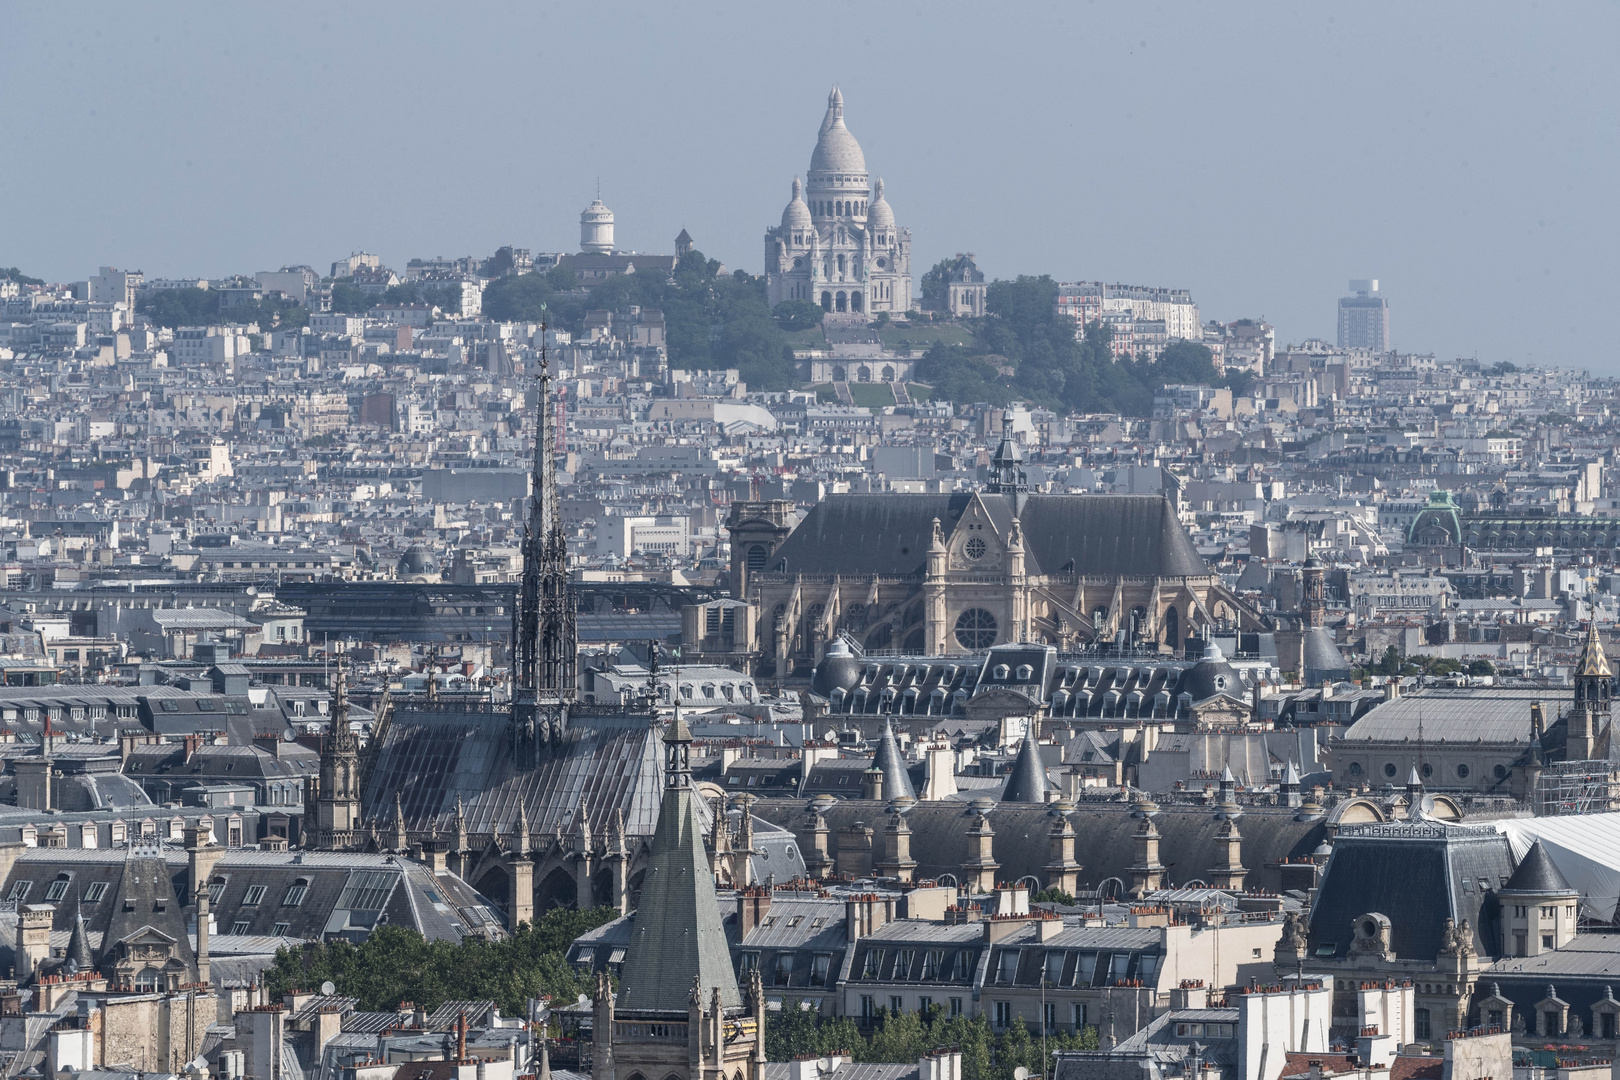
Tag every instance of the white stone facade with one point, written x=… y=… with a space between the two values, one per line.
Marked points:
x=838 y=244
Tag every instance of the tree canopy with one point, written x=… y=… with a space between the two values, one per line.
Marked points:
x=933 y=285
x=907 y=1036
x=11 y=273
x=200 y=307
x=710 y=320
x=396 y=964
x=1025 y=350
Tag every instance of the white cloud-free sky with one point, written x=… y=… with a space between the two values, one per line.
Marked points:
x=1259 y=154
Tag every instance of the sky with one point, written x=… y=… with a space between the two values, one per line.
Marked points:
x=1258 y=154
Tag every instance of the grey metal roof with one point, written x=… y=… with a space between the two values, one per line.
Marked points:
x=1132 y=535
x=1456 y=715
x=604 y=764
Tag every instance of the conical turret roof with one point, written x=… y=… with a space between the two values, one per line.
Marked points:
x=1536 y=873
x=887 y=760
x=1027 y=781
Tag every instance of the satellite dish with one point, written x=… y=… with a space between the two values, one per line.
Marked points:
x=1020 y=1073
x=290 y=735
x=583 y=1000
x=327 y=988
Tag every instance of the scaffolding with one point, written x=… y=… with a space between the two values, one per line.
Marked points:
x=1576 y=787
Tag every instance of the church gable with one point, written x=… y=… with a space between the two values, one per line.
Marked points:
x=975 y=544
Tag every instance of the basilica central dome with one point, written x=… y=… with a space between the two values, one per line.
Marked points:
x=836 y=150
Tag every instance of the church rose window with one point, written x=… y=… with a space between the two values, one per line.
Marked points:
x=976 y=628
x=975 y=549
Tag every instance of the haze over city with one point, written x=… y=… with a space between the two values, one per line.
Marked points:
x=1257 y=154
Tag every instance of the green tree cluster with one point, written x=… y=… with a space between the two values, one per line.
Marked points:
x=396 y=964
x=907 y=1036
x=1026 y=351
x=11 y=273
x=348 y=299
x=200 y=307
x=934 y=292
x=711 y=320
x=799 y=314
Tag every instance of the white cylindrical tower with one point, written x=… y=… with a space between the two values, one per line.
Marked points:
x=596 y=229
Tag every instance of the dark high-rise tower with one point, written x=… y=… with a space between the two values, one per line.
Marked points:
x=545 y=644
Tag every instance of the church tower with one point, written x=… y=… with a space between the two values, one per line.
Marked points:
x=1589 y=722
x=336 y=801
x=679 y=1011
x=545 y=642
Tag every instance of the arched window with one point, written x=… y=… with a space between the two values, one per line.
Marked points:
x=755 y=561
x=826 y=301
x=855 y=301
x=976 y=629
x=841 y=302
x=148 y=980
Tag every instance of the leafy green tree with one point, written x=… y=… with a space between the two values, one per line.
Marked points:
x=1053 y=895
x=395 y=964
x=794 y=315
x=180 y=307
x=562 y=279
x=1481 y=667
x=934 y=291
x=350 y=300
x=11 y=273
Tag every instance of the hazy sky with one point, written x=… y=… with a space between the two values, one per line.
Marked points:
x=1258 y=154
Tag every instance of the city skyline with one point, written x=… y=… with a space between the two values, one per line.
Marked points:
x=1258 y=159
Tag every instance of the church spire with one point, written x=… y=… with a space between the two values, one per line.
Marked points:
x=544 y=638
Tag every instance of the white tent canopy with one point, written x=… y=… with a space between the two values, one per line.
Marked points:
x=1584 y=847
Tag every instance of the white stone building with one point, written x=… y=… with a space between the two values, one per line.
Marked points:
x=838 y=244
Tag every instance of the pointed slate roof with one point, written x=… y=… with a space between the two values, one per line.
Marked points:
x=1027 y=781
x=1593 y=661
x=1536 y=873
x=78 y=950
x=887 y=759
x=144 y=902
x=676 y=934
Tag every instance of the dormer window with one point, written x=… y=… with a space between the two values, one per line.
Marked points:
x=1025 y=672
x=1001 y=672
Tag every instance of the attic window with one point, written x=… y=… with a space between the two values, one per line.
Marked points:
x=239 y=927
x=295 y=893
x=795 y=921
x=770 y=921
x=280 y=929
x=216 y=889
x=1001 y=671
x=95 y=892
x=58 y=888
x=19 y=890
x=254 y=894
x=1025 y=672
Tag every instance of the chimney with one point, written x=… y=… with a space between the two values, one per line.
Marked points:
x=33 y=938
x=328 y=1022
x=874 y=783
x=753 y=904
